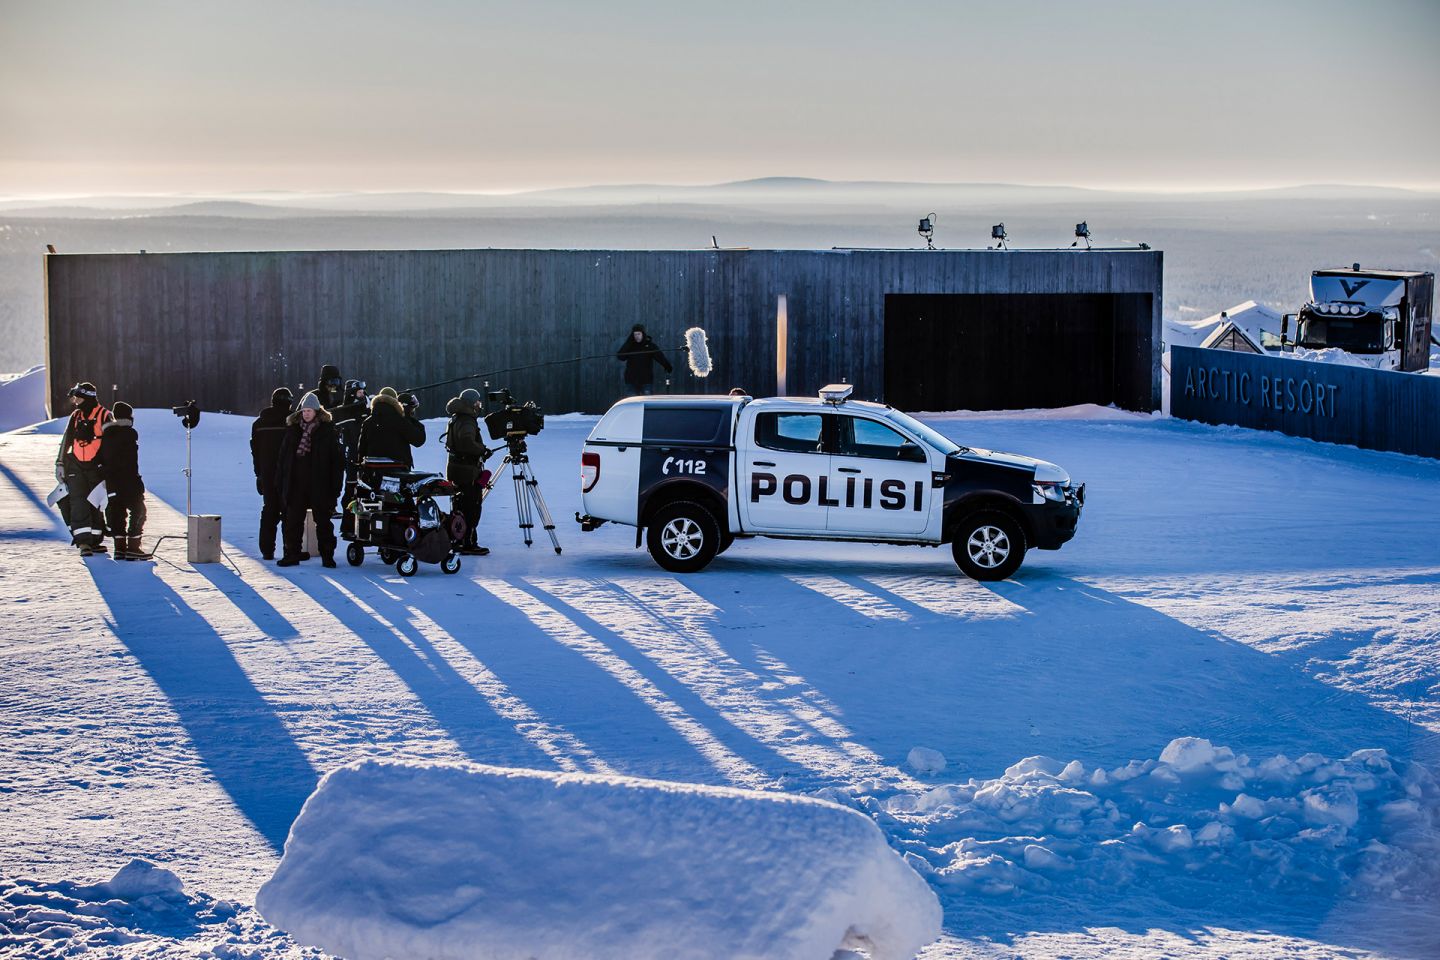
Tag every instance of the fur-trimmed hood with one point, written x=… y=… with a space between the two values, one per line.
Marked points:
x=112 y=424
x=456 y=406
x=321 y=416
x=385 y=400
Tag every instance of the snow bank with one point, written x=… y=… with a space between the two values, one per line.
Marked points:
x=1328 y=355
x=22 y=399
x=438 y=861
x=1079 y=411
x=1365 y=822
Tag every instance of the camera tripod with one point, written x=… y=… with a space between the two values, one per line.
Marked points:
x=528 y=499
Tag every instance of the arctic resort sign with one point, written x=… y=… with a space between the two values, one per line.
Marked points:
x=1374 y=409
x=1272 y=391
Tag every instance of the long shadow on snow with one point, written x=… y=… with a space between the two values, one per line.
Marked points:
x=57 y=525
x=1075 y=673
x=459 y=709
x=234 y=729
x=754 y=751
x=255 y=607
x=562 y=685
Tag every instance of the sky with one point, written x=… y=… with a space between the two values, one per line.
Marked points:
x=217 y=97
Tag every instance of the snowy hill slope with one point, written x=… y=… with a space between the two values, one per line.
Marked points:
x=22 y=399
x=1258 y=591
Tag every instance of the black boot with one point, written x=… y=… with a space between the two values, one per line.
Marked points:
x=328 y=561
x=289 y=560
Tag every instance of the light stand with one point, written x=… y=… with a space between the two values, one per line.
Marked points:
x=1082 y=232
x=188 y=471
x=997 y=232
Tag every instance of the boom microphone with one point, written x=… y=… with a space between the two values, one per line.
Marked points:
x=699 y=349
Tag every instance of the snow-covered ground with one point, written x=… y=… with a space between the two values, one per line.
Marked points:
x=1276 y=597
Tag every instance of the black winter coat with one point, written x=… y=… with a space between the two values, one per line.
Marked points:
x=267 y=435
x=388 y=433
x=466 y=445
x=640 y=359
x=348 y=419
x=119 y=459
x=313 y=480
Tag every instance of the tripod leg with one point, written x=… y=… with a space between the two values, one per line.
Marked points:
x=545 y=518
x=522 y=502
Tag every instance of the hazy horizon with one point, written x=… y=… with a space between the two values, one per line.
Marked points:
x=166 y=98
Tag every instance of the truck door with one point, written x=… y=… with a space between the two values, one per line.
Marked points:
x=880 y=480
x=782 y=472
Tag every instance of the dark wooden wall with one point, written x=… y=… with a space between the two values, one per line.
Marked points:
x=226 y=328
x=1374 y=409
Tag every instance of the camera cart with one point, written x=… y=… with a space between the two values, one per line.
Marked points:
x=393 y=509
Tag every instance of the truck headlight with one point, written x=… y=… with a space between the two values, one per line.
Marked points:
x=1051 y=490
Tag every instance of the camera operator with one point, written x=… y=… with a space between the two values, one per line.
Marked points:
x=388 y=433
x=76 y=466
x=640 y=354
x=267 y=434
x=348 y=417
x=466 y=465
x=309 y=474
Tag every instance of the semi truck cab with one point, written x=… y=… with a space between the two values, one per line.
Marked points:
x=693 y=474
x=1382 y=317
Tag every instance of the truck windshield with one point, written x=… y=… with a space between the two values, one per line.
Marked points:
x=932 y=437
x=1361 y=335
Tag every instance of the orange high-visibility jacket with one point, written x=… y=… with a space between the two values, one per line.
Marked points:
x=84 y=451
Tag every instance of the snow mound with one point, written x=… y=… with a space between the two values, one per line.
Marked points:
x=22 y=399
x=1366 y=823
x=141 y=911
x=925 y=761
x=1327 y=355
x=140 y=878
x=438 y=861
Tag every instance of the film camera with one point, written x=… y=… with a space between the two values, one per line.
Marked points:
x=513 y=421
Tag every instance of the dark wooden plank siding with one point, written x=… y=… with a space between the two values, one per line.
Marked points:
x=1373 y=409
x=226 y=328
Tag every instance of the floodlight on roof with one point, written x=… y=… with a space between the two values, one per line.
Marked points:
x=927 y=230
x=1082 y=232
x=997 y=232
x=836 y=393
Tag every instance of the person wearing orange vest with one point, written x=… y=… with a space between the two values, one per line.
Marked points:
x=77 y=467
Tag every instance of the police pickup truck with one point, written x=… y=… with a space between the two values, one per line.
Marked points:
x=695 y=473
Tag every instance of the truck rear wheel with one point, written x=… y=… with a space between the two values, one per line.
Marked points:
x=683 y=537
x=989 y=545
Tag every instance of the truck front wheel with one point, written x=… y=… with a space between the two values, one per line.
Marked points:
x=683 y=537
x=989 y=545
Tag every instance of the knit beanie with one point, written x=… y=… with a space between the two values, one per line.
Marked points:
x=310 y=401
x=122 y=410
x=471 y=396
x=389 y=392
x=282 y=397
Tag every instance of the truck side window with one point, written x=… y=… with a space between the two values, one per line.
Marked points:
x=789 y=432
x=867 y=438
